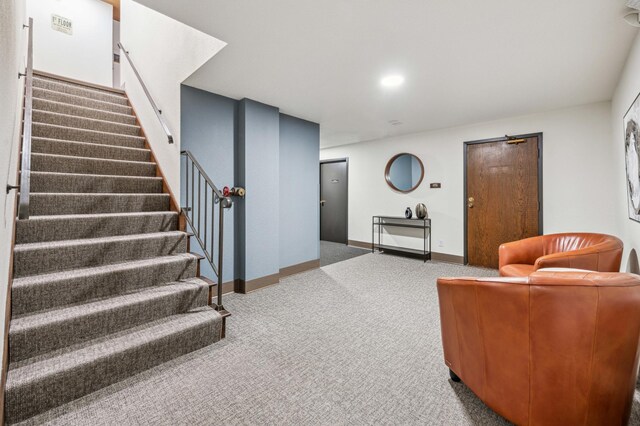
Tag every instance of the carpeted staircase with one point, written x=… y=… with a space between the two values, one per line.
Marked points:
x=104 y=286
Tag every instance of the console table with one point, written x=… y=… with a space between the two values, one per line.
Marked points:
x=401 y=222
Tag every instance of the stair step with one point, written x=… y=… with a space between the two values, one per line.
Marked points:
x=91 y=183
x=45 y=204
x=83 y=91
x=73 y=227
x=66 y=120
x=46 y=257
x=81 y=111
x=103 y=287
x=53 y=131
x=96 y=166
x=41 y=292
x=36 y=334
x=41 y=384
x=89 y=150
x=82 y=84
x=80 y=101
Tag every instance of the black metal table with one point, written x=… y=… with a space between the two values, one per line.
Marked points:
x=401 y=222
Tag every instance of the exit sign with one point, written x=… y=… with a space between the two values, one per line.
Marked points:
x=62 y=24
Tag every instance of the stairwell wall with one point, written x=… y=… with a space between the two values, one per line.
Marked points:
x=276 y=156
x=208 y=127
x=86 y=51
x=13 y=39
x=165 y=52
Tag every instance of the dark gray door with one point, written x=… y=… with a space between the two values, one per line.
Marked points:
x=333 y=201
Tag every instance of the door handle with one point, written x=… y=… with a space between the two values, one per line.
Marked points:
x=322 y=202
x=470 y=202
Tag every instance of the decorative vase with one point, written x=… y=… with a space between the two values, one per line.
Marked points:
x=421 y=211
x=407 y=213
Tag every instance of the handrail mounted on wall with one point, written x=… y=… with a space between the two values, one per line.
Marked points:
x=25 y=150
x=157 y=110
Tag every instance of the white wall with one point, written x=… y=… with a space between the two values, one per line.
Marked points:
x=578 y=174
x=165 y=52
x=84 y=55
x=13 y=46
x=116 y=51
x=627 y=90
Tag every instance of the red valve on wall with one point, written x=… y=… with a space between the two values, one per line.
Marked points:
x=236 y=191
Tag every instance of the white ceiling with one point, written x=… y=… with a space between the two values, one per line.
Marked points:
x=464 y=61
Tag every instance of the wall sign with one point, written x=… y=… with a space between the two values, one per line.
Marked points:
x=62 y=24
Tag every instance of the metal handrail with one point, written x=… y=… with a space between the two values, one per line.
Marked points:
x=188 y=153
x=25 y=167
x=157 y=110
x=195 y=220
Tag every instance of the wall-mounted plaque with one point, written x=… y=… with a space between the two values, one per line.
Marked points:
x=62 y=24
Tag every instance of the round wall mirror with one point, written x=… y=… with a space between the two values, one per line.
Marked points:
x=404 y=172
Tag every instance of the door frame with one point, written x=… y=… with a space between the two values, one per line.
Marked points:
x=464 y=198
x=332 y=160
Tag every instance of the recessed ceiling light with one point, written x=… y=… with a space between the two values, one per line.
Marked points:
x=392 y=80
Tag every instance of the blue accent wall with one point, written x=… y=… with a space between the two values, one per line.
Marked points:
x=258 y=149
x=208 y=130
x=299 y=191
x=276 y=158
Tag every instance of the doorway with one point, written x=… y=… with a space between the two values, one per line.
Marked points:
x=334 y=200
x=502 y=194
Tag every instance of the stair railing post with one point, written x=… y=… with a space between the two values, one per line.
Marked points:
x=221 y=206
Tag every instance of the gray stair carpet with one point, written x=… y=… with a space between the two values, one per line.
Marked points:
x=46 y=162
x=79 y=101
x=82 y=111
x=103 y=284
x=91 y=150
x=62 y=182
x=74 y=203
x=56 y=131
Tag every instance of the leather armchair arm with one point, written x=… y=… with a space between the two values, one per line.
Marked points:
x=605 y=256
x=521 y=252
x=560 y=260
x=485 y=337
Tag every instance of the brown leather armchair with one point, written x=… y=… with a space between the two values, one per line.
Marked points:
x=552 y=348
x=595 y=252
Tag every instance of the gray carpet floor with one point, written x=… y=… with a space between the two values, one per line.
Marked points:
x=356 y=342
x=335 y=252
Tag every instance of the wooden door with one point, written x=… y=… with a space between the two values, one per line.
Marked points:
x=502 y=201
